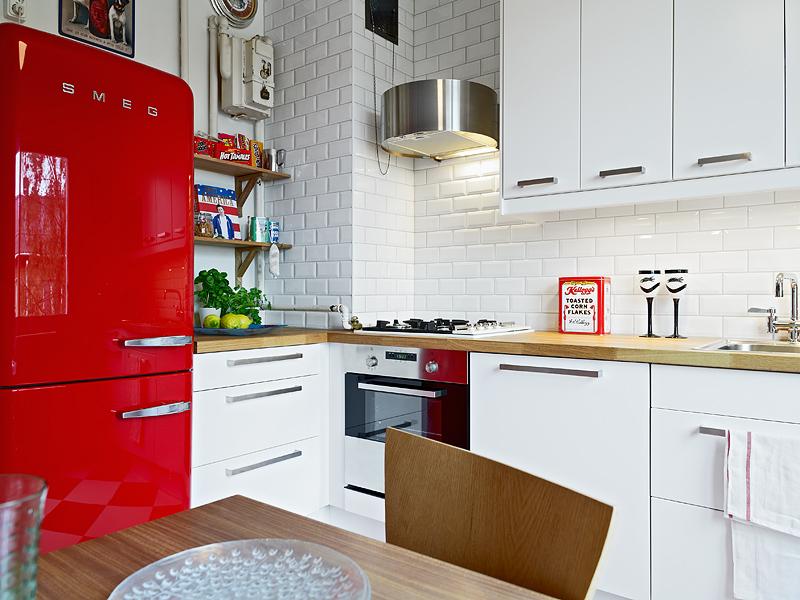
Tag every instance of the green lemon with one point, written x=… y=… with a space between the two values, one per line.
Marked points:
x=230 y=321
x=211 y=321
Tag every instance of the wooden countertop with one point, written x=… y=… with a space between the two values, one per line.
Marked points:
x=287 y=336
x=536 y=343
x=91 y=570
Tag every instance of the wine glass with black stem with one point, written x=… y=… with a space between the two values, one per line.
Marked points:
x=676 y=282
x=649 y=284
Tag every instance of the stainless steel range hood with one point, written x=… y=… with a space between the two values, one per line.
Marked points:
x=439 y=119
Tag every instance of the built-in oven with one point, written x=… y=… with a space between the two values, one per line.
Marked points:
x=423 y=392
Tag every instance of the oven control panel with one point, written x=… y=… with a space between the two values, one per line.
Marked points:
x=411 y=363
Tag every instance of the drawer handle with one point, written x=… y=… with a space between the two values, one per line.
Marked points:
x=540 y=181
x=553 y=371
x=289 y=390
x=264 y=359
x=712 y=431
x=623 y=171
x=708 y=160
x=263 y=463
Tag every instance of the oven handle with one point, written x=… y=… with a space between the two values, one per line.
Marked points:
x=403 y=425
x=372 y=387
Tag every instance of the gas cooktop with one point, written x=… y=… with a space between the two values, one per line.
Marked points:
x=447 y=327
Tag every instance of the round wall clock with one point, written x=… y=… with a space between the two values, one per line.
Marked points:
x=240 y=13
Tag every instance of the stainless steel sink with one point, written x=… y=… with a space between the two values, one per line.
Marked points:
x=753 y=346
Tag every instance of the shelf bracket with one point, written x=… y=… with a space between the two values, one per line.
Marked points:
x=244 y=186
x=244 y=258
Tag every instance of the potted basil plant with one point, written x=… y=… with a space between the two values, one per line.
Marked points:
x=214 y=294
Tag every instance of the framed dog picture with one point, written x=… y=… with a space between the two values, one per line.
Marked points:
x=108 y=24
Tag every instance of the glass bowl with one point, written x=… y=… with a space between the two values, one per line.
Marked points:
x=260 y=568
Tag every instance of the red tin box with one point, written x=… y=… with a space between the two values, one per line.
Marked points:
x=584 y=305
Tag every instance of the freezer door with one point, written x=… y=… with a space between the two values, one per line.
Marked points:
x=95 y=199
x=114 y=453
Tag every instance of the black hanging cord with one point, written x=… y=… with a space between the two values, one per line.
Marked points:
x=375 y=92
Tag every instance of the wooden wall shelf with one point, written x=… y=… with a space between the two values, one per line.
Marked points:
x=245 y=250
x=245 y=176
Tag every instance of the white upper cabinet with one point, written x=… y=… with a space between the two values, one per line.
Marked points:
x=729 y=87
x=626 y=92
x=610 y=102
x=541 y=82
x=793 y=83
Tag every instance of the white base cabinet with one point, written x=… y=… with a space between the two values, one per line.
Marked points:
x=582 y=424
x=691 y=553
x=257 y=427
x=691 y=537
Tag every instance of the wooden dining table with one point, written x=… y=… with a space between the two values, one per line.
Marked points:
x=93 y=569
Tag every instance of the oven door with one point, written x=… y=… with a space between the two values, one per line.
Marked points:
x=439 y=411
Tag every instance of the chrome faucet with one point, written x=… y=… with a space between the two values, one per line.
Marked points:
x=792 y=324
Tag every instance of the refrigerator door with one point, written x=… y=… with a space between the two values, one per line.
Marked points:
x=95 y=188
x=113 y=453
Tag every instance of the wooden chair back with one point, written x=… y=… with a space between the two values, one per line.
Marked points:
x=471 y=511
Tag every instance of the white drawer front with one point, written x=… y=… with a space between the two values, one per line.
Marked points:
x=687 y=466
x=237 y=420
x=222 y=369
x=289 y=477
x=752 y=394
x=691 y=553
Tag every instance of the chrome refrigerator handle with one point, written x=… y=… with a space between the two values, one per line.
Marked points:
x=161 y=342
x=157 y=411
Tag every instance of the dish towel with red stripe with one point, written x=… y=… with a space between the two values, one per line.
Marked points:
x=762 y=500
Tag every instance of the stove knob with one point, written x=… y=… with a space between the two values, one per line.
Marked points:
x=372 y=361
x=431 y=366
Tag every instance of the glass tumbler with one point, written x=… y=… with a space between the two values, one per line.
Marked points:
x=21 y=506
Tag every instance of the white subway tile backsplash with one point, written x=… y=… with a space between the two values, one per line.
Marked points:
x=559 y=230
x=635 y=224
x=748 y=239
x=678 y=221
x=700 y=241
x=724 y=218
x=787 y=237
x=774 y=215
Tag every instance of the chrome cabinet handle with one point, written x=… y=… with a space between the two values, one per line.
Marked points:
x=263 y=463
x=373 y=387
x=712 y=431
x=540 y=181
x=263 y=359
x=157 y=411
x=624 y=171
x=161 y=342
x=708 y=160
x=289 y=390
x=552 y=371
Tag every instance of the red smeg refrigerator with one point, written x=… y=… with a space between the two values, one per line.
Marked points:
x=96 y=302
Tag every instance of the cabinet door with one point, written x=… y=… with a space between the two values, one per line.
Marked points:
x=584 y=426
x=541 y=97
x=792 y=83
x=626 y=92
x=729 y=87
x=691 y=553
